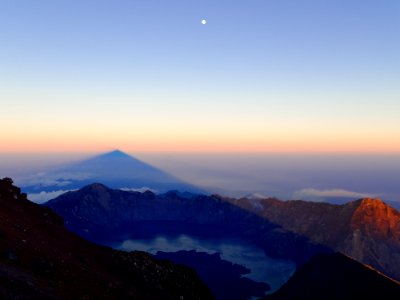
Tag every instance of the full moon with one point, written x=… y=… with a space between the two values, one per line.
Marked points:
x=204 y=22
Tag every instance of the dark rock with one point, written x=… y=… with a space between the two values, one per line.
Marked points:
x=337 y=277
x=45 y=261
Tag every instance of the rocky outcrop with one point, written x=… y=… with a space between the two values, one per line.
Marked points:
x=337 y=277
x=367 y=230
x=375 y=236
x=40 y=259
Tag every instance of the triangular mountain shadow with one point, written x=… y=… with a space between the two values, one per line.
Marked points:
x=116 y=169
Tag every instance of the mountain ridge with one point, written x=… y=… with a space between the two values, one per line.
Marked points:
x=362 y=229
x=367 y=230
x=96 y=216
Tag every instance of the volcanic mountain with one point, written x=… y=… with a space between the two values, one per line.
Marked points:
x=115 y=169
x=367 y=230
x=113 y=217
x=336 y=277
x=101 y=214
x=40 y=259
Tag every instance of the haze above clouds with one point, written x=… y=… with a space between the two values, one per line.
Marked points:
x=288 y=176
x=308 y=177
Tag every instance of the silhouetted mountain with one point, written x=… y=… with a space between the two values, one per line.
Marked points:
x=105 y=215
x=336 y=277
x=39 y=259
x=115 y=169
x=367 y=230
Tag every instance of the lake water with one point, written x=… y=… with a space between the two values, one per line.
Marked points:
x=275 y=272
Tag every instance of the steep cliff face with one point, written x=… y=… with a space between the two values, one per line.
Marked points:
x=39 y=259
x=336 y=277
x=368 y=230
x=376 y=219
x=375 y=236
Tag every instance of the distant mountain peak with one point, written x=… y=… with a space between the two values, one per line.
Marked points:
x=375 y=218
x=96 y=186
x=372 y=201
x=116 y=154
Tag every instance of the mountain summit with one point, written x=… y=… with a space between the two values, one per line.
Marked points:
x=115 y=169
x=116 y=154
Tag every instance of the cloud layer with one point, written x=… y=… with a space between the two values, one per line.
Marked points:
x=320 y=195
x=43 y=197
x=141 y=190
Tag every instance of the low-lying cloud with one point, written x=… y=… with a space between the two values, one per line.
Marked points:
x=320 y=195
x=141 y=190
x=54 y=179
x=43 y=197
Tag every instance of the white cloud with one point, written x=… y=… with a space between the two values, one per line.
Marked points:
x=43 y=197
x=256 y=196
x=141 y=190
x=54 y=179
x=319 y=195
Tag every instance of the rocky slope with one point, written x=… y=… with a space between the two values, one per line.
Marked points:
x=367 y=230
x=39 y=259
x=336 y=277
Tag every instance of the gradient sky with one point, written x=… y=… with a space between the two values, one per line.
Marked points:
x=146 y=75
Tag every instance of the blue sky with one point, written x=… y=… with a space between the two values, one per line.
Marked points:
x=148 y=76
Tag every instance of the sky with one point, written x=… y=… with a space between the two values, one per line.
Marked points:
x=148 y=76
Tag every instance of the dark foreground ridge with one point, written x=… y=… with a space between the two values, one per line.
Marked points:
x=337 y=277
x=40 y=259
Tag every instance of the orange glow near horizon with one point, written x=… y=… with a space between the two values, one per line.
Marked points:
x=195 y=136
x=193 y=144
